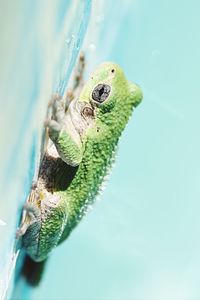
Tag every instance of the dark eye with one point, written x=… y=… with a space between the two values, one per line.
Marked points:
x=101 y=92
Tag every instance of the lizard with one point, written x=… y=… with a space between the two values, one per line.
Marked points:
x=83 y=131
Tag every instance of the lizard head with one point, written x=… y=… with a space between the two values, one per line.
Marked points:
x=108 y=97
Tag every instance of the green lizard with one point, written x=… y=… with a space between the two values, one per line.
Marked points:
x=83 y=135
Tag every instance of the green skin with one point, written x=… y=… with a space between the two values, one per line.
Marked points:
x=84 y=139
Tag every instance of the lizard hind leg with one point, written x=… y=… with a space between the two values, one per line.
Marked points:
x=31 y=214
x=44 y=231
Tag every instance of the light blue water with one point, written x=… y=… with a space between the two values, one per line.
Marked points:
x=141 y=241
x=40 y=43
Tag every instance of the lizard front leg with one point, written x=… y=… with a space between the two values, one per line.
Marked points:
x=63 y=133
x=79 y=71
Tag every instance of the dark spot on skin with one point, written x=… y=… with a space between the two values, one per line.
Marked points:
x=101 y=92
x=88 y=112
x=34 y=185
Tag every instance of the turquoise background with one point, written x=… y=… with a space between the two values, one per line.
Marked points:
x=141 y=240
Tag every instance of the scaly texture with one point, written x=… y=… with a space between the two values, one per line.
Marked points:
x=74 y=166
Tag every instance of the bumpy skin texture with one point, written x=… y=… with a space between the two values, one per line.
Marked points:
x=84 y=139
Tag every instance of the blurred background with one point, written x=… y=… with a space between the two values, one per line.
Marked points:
x=141 y=241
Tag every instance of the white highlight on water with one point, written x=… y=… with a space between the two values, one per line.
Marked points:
x=2 y=223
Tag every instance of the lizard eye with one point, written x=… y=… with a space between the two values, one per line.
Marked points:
x=101 y=92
